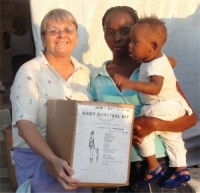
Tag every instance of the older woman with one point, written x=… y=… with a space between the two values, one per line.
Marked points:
x=53 y=74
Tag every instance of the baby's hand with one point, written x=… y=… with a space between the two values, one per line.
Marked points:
x=122 y=82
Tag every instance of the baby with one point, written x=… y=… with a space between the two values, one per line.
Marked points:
x=158 y=92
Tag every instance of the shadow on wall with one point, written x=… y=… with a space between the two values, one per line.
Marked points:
x=183 y=44
x=183 y=35
x=37 y=38
x=82 y=47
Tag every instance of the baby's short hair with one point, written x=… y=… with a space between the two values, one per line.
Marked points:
x=157 y=25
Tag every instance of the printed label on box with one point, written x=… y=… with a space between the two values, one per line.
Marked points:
x=102 y=144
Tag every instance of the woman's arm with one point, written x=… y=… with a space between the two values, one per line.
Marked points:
x=26 y=101
x=150 y=124
x=146 y=125
x=29 y=133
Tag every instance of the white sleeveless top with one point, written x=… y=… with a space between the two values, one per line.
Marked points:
x=21 y=44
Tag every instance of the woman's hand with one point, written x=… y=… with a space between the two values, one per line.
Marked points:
x=144 y=126
x=135 y=139
x=63 y=174
x=63 y=171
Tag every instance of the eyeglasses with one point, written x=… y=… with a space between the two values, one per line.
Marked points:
x=55 y=31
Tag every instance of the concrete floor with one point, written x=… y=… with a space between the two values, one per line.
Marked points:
x=5 y=185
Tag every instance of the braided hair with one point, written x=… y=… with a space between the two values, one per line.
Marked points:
x=124 y=9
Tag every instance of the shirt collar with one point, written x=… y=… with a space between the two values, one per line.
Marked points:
x=102 y=70
x=43 y=61
x=76 y=64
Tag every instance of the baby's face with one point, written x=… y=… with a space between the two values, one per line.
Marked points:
x=140 y=42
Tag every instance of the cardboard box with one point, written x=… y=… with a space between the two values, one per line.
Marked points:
x=94 y=137
x=8 y=145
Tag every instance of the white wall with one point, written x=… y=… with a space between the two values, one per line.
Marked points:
x=183 y=23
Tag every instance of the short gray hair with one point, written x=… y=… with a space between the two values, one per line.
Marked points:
x=59 y=15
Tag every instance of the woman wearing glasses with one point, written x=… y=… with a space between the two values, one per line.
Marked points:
x=53 y=74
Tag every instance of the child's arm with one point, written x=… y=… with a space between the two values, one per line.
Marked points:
x=153 y=87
